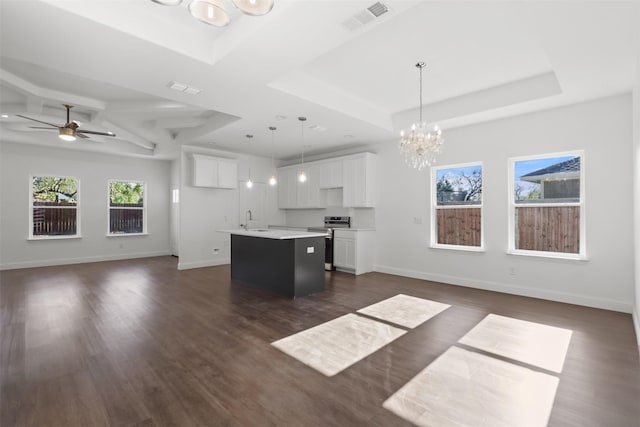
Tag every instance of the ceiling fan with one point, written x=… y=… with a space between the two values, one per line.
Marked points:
x=68 y=131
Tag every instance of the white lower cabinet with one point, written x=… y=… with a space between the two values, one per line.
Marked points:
x=353 y=250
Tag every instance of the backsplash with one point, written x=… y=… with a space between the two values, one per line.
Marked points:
x=360 y=217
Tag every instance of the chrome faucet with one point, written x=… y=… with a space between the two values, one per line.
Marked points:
x=247 y=218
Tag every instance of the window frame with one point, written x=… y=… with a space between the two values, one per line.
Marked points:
x=143 y=208
x=434 y=209
x=78 y=234
x=511 y=249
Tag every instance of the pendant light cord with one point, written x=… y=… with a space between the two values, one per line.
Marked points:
x=420 y=66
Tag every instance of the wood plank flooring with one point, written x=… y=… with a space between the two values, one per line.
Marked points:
x=139 y=343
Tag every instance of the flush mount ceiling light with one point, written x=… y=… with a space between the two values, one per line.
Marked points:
x=423 y=143
x=273 y=181
x=302 y=177
x=168 y=2
x=212 y=12
x=254 y=7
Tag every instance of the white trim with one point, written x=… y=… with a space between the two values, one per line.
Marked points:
x=459 y=248
x=126 y=234
x=57 y=237
x=512 y=205
x=602 y=303
x=434 y=208
x=636 y=325
x=68 y=261
x=201 y=264
x=545 y=254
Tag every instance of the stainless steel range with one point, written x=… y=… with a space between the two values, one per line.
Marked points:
x=330 y=223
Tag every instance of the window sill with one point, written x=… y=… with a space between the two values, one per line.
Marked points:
x=37 y=238
x=459 y=248
x=127 y=234
x=549 y=255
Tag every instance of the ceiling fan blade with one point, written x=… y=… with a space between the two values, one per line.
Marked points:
x=40 y=127
x=79 y=135
x=39 y=121
x=93 y=132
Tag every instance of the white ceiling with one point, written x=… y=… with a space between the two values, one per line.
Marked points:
x=113 y=59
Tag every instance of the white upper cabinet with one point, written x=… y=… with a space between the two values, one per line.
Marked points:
x=359 y=175
x=355 y=174
x=309 y=191
x=331 y=174
x=287 y=188
x=214 y=172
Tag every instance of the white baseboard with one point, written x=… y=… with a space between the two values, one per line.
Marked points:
x=636 y=323
x=603 y=303
x=83 y=260
x=200 y=264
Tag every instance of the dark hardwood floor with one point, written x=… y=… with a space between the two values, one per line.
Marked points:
x=140 y=343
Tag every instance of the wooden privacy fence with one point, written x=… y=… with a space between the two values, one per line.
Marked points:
x=126 y=220
x=548 y=228
x=54 y=219
x=61 y=219
x=459 y=226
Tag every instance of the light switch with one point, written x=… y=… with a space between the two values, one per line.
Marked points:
x=311 y=249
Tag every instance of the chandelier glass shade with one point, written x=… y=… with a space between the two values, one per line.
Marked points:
x=422 y=144
x=212 y=12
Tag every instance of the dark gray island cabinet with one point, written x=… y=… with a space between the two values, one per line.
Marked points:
x=290 y=263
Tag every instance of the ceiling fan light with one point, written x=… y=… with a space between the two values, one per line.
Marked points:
x=254 y=7
x=168 y=2
x=210 y=12
x=67 y=134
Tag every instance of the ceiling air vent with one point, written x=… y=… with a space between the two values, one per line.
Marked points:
x=378 y=9
x=366 y=16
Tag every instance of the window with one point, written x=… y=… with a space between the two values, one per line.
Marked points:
x=547 y=205
x=54 y=207
x=457 y=207
x=127 y=213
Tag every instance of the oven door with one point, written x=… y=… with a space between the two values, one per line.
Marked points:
x=328 y=247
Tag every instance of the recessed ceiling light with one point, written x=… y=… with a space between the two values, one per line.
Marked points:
x=4 y=116
x=249 y=136
x=318 y=128
x=280 y=117
x=192 y=90
x=348 y=136
x=182 y=87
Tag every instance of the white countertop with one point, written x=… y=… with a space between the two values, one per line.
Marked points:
x=273 y=234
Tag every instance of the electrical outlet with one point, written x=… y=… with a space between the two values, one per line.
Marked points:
x=121 y=245
x=512 y=271
x=417 y=220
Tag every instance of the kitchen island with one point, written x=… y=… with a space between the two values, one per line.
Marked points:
x=283 y=261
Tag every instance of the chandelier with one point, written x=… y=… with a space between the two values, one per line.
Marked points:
x=422 y=143
x=212 y=12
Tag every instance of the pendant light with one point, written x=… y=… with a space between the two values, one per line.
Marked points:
x=302 y=176
x=421 y=144
x=249 y=182
x=272 y=181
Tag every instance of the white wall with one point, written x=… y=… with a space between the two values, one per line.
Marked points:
x=602 y=128
x=19 y=161
x=636 y=197
x=204 y=211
